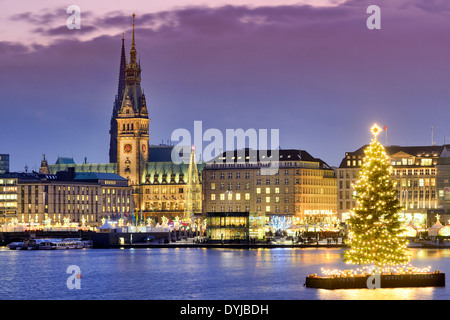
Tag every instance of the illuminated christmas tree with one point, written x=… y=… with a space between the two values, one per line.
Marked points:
x=375 y=232
x=193 y=202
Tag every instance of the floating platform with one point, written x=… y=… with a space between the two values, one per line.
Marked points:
x=386 y=281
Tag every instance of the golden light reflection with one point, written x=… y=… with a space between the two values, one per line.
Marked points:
x=378 y=294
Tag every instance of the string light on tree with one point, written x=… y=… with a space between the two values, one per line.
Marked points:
x=375 y=235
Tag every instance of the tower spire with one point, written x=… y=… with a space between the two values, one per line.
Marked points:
x=117 y=104
x=133 y=47
x=123 y=64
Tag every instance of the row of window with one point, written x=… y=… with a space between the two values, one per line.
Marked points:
x=422 y=204
x=268 y=199
x=246 y=175
x=353 y=174
x=163 y=190
x=403 y=194
x=8 y=181
x=411 y=162
x=396 y=162
x=423 y=182
x=414 y=172
x=246 y=208
x=164 y=206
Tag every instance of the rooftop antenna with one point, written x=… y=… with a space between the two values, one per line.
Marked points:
x=432 y=140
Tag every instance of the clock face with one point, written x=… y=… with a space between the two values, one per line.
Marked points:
x=127 y=148
x=144 y=148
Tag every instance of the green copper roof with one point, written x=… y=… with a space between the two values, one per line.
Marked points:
x=86 y=167
x=64 y=160
x=97 y=176
x=153 y=170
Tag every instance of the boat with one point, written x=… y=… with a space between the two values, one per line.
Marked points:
x=15 y=245
x=35 y=244
x=47 y=245
x=51 y=244
x=74 y=243
x=60 y=245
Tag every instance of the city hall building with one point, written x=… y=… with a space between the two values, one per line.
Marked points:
x=422 y=175
x=160 y=186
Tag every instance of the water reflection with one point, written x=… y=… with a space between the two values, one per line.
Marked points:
x=378 y=294
x=190 y=273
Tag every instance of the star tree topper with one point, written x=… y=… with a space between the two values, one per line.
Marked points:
x=375 y=130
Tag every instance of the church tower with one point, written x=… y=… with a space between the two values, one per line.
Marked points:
x=132 y=123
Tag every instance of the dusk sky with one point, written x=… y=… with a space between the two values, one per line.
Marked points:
x=311 y=69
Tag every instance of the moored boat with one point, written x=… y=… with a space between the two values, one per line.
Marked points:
x=47 y=245
x=15 y=245
x=51 y=244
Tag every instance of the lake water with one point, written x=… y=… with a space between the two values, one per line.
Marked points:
x=193 y=274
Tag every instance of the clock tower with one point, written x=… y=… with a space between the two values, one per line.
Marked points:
x=132 y=124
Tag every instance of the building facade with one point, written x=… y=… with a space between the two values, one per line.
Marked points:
x=65 y=197
x=422 y=177
x=8 y=198
x=303 y=187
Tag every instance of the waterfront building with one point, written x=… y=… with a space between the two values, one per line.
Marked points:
x=230 y=226
x=8 y=197
x=65 y=197
x=422 y=174
x=302 y=187
x=160 y=186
